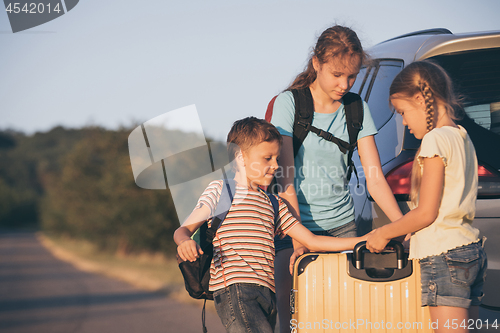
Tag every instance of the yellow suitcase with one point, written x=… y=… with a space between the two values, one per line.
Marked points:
x=357 y=292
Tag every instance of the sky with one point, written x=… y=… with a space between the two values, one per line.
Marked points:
x=120 y=63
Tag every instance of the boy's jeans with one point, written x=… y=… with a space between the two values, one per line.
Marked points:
x=246 y=307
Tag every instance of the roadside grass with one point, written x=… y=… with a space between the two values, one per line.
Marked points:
x=152 y=272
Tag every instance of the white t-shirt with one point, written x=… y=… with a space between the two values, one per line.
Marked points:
x=453 y=226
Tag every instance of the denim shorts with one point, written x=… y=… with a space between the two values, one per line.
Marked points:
x=454 y=278
x=246 y=308
x=344 y=231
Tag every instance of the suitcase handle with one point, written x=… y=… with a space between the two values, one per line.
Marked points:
x=361 y=246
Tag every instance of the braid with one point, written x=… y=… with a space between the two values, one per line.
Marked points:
x=436 y=87
x=429 y=103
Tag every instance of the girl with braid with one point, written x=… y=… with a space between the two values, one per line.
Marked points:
x=444 y=190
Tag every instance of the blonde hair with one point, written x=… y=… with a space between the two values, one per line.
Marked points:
x=334 y=42
x=435 y=85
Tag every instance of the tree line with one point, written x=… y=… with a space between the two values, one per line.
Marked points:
x=79 y=183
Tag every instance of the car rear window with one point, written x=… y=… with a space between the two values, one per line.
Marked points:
x=486 y=115
x=374 y=87
x=476 y=76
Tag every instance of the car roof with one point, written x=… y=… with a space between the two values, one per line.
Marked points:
x=429 y=43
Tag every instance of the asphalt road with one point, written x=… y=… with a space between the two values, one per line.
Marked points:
x=40 y=294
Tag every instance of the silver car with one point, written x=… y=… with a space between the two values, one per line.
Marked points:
x=473 y=62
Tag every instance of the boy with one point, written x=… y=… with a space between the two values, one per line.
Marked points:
x=242 y=270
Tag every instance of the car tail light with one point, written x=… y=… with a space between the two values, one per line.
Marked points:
x=488 y=182
x=399 y=179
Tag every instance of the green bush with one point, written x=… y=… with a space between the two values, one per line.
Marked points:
x=79 y=183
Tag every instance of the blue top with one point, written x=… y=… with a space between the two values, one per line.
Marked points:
x=320 y=167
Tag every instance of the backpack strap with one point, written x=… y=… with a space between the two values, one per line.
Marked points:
x=223 y=206
x=343 y=146
x=269 y=111
x=354 y=115
x=353 y=106
x=304 y=111
x=275 y=204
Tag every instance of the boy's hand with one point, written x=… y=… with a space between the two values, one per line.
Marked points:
x=297 y=253
x=189 y=250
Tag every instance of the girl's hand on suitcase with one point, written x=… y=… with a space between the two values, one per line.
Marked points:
x=189 y=250
x=376 y=241
x=405 y=240
x=297 y=253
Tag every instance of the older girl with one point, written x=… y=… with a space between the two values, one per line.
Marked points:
x=314 y=183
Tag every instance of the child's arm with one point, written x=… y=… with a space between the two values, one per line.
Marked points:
x=375 y=181
x=317 y=243
x=187 y=248
x=287 y=188
x=431 y=191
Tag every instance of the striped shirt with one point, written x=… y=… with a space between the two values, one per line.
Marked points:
x=244 y=242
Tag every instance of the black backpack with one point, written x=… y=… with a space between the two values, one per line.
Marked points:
x=304 y=111
x=197 y=273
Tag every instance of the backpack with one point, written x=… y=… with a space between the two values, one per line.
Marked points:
x=304 y=111
x=196 y=274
